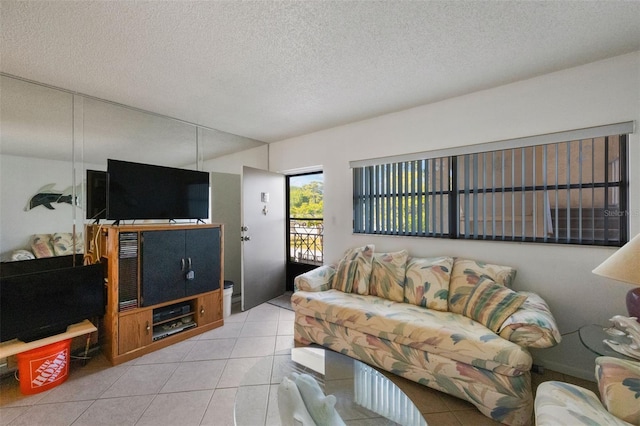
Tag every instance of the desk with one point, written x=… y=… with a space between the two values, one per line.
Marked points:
x=15 y=346
x=592 y=336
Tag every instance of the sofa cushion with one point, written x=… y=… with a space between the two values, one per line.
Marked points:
x=354 y=270
x=450 y=335
x=22 y=255
x=619 y=386
x=467 y=273
x=41 y=246
x=427 y=282
x=63 y=243
x=532 y=325
x=491 y=304
x=387 y=275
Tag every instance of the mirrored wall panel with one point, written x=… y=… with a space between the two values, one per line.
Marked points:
x=50 y=137
x=36 y=180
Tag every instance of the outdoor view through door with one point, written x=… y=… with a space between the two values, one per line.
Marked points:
x=305 y=210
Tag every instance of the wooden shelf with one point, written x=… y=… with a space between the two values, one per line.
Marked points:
x=16 y=346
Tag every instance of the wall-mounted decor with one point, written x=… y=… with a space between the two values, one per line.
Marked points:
x=47 y=196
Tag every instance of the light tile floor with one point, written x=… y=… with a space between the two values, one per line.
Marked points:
x=195 y=382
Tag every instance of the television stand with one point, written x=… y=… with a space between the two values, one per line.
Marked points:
x=164 y=284
x=15 y=346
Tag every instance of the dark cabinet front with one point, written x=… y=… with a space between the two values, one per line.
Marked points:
x=202 y=251
x=180 y=263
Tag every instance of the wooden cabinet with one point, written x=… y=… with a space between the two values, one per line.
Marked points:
x=134 y=331
x=164 y=284
x=209 y=308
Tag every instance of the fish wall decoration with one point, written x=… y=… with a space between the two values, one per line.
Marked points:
x=47 y=196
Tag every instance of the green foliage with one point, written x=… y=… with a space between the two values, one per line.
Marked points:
x=306 y=201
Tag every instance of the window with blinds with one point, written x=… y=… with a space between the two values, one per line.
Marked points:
x=408 y=198
x=570 y=192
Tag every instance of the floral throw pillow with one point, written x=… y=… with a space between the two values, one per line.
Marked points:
x=619 y=386
x=491 y=304
x=41 y=246
x=22 y=255
x=467 y=273
x=388 y=274
x=63 y=243
x=354 y=270
x=427 y=282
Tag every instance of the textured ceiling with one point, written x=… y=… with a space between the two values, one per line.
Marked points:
x=272 y=70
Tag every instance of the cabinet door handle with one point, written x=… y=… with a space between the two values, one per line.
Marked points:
x=201 y=311
x=182 y=264
x=189 y=262
x=148 y=327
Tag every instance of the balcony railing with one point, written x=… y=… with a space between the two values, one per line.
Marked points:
x=306 y=236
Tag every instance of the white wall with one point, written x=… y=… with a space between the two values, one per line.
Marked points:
x=254 y=157
x=600 y=93
x=21 y=178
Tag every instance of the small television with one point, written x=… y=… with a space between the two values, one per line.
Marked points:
x=96 y=195
x=145 y=191
x=41 y=304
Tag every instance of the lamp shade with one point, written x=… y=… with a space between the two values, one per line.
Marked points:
x=624 y=264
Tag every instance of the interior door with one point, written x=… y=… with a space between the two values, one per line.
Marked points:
x=263 y=236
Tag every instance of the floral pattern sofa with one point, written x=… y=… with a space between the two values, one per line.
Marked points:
x=451 y=324
x=559 y=403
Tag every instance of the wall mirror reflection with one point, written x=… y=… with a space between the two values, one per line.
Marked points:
x=50 y=137
x=36 y=137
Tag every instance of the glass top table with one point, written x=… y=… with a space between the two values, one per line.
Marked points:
x=363 y=394
x=592 y=337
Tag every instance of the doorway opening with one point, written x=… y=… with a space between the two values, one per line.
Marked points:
x=305 y=224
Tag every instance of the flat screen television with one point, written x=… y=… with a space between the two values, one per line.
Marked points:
x=96 y=195
x=145 y=191
x=41 y=304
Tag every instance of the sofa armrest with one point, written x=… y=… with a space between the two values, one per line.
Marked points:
x=619 y=386
x=318 y=279
x=532 y=325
